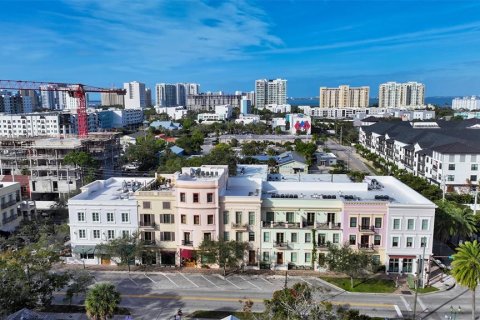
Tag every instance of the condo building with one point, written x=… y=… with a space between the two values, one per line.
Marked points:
x=395 y=95
x=344 y=97
x=135 y=96
x=270 y=92
x=282 y=221
x=466 y=103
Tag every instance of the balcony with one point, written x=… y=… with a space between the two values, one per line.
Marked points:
x=8 y=204
x=323 y=246
x=240 y=226
x=148 y=242
x=366 y=229
x=328 y=225
x=366 y=247
x=280 y=225
x=187 y=243
x=9 y=219
x=148 y=224
x=281 y=245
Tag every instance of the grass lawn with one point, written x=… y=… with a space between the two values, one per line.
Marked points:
x=426 y=290
x=215 y=314
x=363 y=285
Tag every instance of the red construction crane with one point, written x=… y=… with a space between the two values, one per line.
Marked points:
x=74 y=90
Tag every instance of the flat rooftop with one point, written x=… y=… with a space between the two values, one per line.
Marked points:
x=120 y=188
x=203 y=173
x=374 y=188
x=309 y=177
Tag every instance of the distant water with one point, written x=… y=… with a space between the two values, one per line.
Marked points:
x=313 y=101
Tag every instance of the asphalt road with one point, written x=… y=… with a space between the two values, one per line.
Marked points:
x=349 y=155
x=159 y=295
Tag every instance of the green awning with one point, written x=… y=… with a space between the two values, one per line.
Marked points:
x=86 y=249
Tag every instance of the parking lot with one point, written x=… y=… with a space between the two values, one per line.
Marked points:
x=159 y=281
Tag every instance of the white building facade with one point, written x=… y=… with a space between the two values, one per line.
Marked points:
x=466 y=103
x=135 y=97
x=270 y=92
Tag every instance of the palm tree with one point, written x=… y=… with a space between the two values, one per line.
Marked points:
x=453 y=220
x=101 y=301
x=466 y=267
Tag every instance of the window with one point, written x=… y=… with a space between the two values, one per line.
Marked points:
x=95 y=217
x=167 y=236
x=410 y=224
x=110 y=217
x=210 y=219
x=251 y=218
x=239 y=236
x=266 y=237
x=396 y=224
x=146 y=205
x=195 y=198
x=87 y=256
x=251 y=236
x=207 y=236
x=125 y=217
x=352 y=239
x=183 y=219
x=226 y=217
x=209 y=197
x=423 y=242
x=182 y=196
x=450 y=177
x=393 y=265
x=166 y=205
x=196 y=219
x=293 y=257
x=395 y=242
x=266 y=256
x=96 y=234
x=82 y=234
x=336 y=238
x=474 y=167
x=377 y=239
x=238 y=217
x=293 y=237
x=473 y=177
x=110 y=234
x=424 y=224
x=451 y=166
x=378 y=223
x=125 y=234
x=409 y=243
x=81 y=216
x=407 y=265
x=290 y=217
x=308 y=257
x=167 y=218
x=226 y=236
x=353 y=222
x=308 y=237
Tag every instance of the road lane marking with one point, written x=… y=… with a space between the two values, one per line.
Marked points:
x=224 y=278
x=406 y=303
x=421 y=304
x=209 y=280
x=163 y=274
x=188 y=279
x=267 y=281
x=150 y=278
x=250 y=283
x=399 y=312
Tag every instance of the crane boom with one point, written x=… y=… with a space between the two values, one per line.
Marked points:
x=76 y=90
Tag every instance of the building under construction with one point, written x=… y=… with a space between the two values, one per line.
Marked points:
x=42 y=159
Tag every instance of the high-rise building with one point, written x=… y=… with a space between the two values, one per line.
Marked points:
x=466 y=103
x=14 y=103
x=135 y=95
x=33 y=97
x=148 y=97
x=51 y=99
x=166 y=95
x=181 y=93
x=270 y=92
x=394 y=94
x=344 y=97
x=111 y=99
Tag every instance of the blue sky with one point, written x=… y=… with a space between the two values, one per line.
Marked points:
x=226 y=45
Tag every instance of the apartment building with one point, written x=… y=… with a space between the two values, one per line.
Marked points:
x=282 y=221
x=135 y=97
x=10 y=200
x=35 y=124
x=14 y=103
x=270 y=92
x=445 y=153
x=395 y=95
x=344 y=97
x=111 y=99
x=466 y=103
x=208 y=101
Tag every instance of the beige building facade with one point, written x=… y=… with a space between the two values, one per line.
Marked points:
x=344 y=97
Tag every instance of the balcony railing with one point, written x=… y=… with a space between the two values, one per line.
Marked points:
x=280 y=224
x=8 y=204
x=187 y=243
x=147 y=224
x=149 y=242
x=9 y=219
x=240 y=226
x=281 y=245
x=366 y=246
x=328 y=225
x=366 y=228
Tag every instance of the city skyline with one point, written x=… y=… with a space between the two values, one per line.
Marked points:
x=228 y=45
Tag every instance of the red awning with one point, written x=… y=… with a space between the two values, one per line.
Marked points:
x=186 y=254
x=402 y=257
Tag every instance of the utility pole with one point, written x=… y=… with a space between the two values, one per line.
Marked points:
x=419 y=274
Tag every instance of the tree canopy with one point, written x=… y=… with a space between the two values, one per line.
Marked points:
x=101 y=301
x=227 y=254
x=145 y=152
